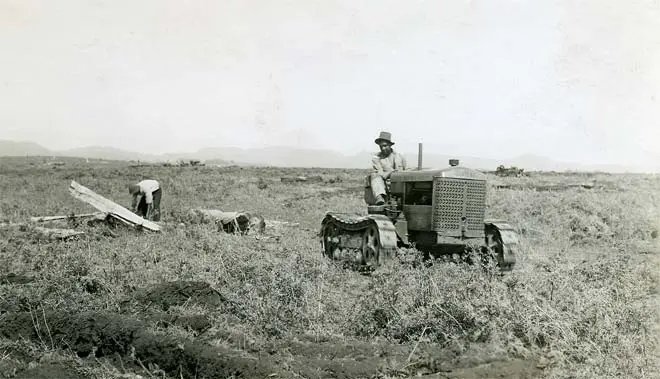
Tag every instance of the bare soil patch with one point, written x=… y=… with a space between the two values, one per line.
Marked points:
x=516 y=368
x=105 y=335
x=166 y=295
x=198 y=323
x=96 y=335
x=334 y=359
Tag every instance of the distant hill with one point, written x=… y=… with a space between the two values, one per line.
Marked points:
x=103 y=152
x=13 y=148
x=21 y=148
x=297 y=157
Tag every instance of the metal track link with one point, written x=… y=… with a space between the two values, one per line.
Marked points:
x=346 y=222
x=510 y=244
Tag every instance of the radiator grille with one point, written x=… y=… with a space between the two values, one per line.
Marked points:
x=455 y=198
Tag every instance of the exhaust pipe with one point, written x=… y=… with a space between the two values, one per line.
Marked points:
x=419 y=157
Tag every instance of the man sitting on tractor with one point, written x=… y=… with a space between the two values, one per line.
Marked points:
x=384 y=163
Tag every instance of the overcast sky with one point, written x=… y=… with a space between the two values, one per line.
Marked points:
x=570 y=80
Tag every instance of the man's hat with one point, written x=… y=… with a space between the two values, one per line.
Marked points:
x=384 y=136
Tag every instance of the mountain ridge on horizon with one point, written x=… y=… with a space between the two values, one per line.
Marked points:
x=294 y=157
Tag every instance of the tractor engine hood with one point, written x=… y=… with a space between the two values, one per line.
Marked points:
x=429 y=175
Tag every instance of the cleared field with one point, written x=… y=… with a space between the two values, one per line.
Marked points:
x=193 y=302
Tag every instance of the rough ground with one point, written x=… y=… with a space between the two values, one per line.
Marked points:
x=128 y=342
x=193 y=302
x=124 y=341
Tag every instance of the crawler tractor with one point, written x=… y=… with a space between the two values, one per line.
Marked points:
x=439 y=212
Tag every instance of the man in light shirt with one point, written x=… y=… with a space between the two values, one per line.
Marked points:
x=146 y=199
x=384 y=163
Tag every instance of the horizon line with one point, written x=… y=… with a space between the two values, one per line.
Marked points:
x=574 y=166
x=355 y=152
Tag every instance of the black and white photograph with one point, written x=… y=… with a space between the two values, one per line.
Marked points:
x=338 y=189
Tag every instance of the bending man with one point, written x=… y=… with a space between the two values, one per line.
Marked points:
x=146 y=199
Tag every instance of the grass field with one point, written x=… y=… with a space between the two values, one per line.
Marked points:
x=193 y=302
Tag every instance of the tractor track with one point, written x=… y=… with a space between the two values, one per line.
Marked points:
x=379 y=239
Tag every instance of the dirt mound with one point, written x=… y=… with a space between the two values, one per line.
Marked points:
x=166 y=295
x=98 y=335
x=196 y=323
x=110 y=335
x=352 y=359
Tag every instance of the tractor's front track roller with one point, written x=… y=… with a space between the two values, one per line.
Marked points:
x=502 y=243
x=369 y=240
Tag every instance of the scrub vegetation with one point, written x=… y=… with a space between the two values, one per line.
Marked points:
x=195 y=302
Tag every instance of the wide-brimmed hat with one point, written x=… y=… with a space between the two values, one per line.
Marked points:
x=384 y=136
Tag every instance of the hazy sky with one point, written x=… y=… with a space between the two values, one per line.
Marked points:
x=571 y=80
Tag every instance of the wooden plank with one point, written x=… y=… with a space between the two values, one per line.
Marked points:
x=55 y=218
x=115 y=210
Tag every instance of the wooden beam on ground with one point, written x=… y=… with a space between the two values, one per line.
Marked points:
x=113 y=209
x=55 y=218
